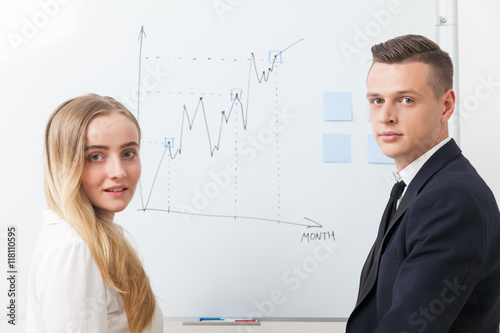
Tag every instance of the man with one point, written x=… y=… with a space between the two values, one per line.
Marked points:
x=435 y=266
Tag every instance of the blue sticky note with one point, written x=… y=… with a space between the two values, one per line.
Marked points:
x=374 y=154
x=336 y=148
x=337 y=106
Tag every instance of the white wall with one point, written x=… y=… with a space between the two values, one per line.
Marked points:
x=480 y=103
x=480 y=119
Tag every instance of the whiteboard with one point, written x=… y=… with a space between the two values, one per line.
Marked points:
x=239 y=211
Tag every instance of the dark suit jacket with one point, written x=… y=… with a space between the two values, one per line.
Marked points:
x=439 y=263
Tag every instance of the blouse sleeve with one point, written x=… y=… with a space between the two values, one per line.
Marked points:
x=71 y=293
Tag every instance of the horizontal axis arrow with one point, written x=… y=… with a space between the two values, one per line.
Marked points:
x=312 y=224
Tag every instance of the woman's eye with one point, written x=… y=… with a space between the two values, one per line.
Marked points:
x=95 y=157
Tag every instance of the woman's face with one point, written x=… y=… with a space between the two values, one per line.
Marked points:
x=112 y=164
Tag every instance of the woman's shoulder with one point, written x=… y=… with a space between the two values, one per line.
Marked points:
x=58 y=238
x=60 y=252
x=58 y=229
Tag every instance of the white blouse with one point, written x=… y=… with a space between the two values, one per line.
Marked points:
x=66 y=291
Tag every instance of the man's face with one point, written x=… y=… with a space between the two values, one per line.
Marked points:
x=407 y=119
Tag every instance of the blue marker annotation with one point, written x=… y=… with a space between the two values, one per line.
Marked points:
x=230 y=320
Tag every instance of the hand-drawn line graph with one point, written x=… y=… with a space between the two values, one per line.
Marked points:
x=238 y=105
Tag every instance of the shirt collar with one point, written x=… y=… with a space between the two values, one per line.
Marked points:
x=408 y=173
x=50 y=217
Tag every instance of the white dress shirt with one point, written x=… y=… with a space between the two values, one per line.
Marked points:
x=66 y=291
x=408 y=173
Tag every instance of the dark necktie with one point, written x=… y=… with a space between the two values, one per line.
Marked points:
x=389 y=211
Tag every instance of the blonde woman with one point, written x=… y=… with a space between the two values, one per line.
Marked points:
x=85 y=276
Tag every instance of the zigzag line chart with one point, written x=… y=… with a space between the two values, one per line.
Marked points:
x=212 y=134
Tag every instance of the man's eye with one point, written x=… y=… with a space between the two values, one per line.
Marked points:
x=407 y=100
x=377 y=101
x=129 y=154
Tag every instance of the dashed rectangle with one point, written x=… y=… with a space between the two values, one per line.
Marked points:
x=236 y=93
x=275 y=57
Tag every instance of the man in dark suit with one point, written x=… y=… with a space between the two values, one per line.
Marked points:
x=435 y=265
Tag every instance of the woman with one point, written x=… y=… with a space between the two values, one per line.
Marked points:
x=85 y=276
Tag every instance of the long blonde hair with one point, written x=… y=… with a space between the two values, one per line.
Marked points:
x=120 y=266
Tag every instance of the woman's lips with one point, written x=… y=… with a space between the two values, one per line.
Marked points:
x=116 y=191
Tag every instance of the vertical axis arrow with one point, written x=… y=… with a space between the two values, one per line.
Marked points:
x=142 y=34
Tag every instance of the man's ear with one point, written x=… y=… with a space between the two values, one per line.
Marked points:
x=448 y=103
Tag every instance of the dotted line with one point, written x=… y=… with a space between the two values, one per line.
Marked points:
x=277 y=146
x=153 y=142
x=236 y=160
x=184 y=93
x=168 y=183
x=197 y=59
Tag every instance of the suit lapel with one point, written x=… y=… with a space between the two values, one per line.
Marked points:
x=438 y=160
x=373 y=267
x=403 y=206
